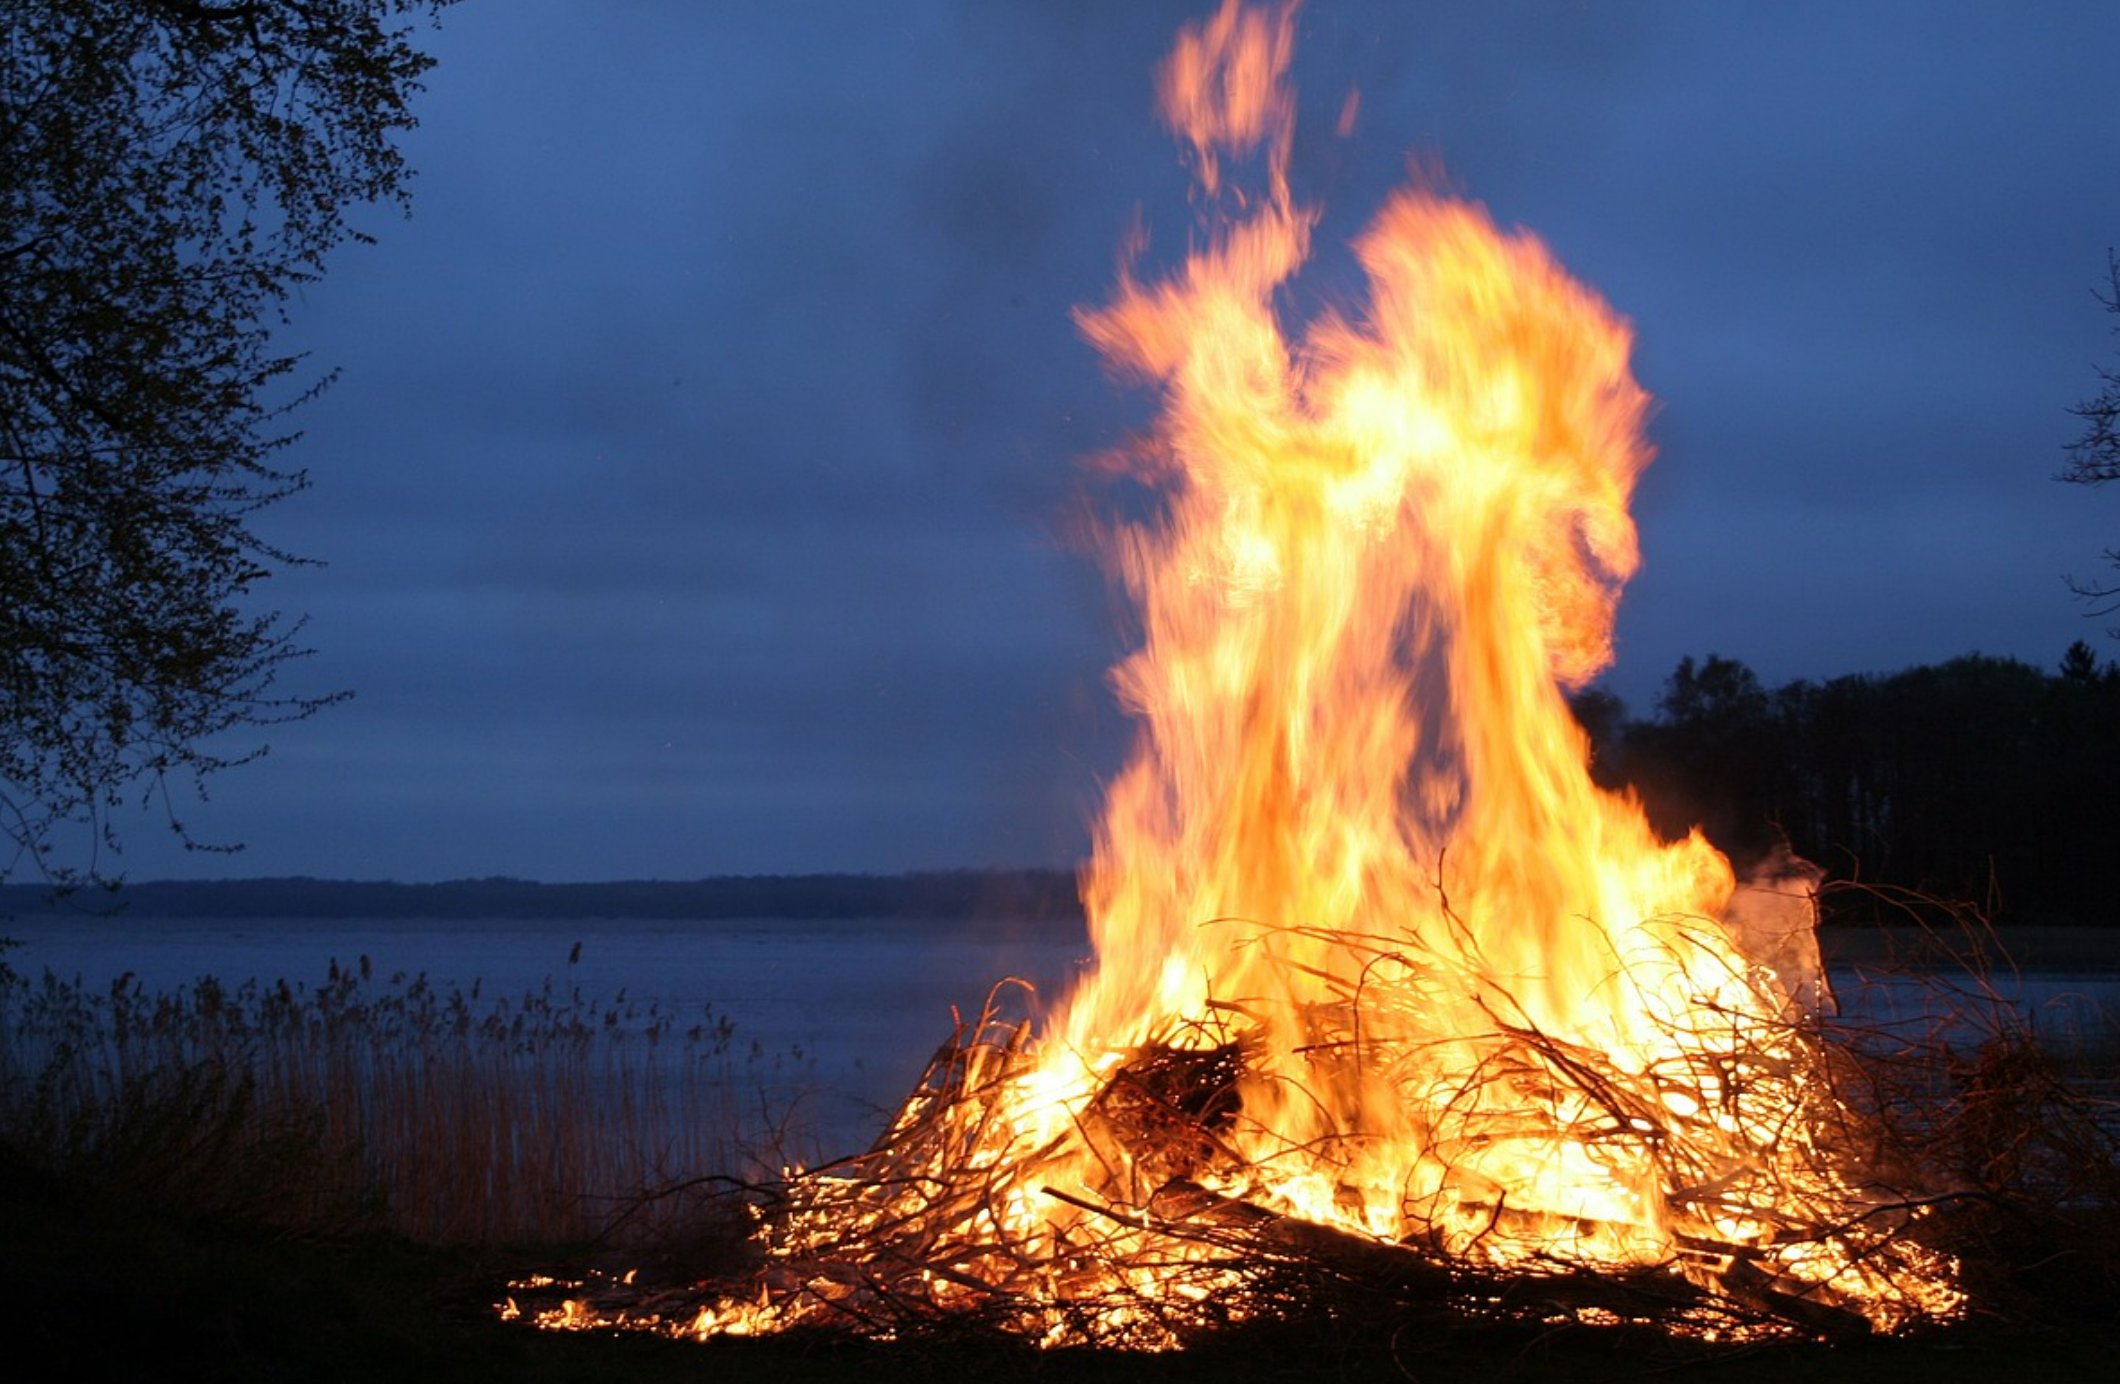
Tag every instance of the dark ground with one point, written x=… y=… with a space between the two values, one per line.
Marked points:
x=106 y=1294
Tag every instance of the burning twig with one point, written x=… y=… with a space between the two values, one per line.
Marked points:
x=929 y=1229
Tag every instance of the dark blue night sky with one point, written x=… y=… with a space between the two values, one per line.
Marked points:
x=696 y=495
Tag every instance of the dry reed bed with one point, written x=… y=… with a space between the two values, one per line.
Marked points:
x=448 y=1116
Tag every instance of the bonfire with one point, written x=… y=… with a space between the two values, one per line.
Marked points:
x=1388 y=998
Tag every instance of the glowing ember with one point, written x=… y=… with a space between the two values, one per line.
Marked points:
x=1385 y=985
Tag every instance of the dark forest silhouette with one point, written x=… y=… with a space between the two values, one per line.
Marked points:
x=1980 y=780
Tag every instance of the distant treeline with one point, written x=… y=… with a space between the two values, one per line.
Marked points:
x=1030 y=895
x=1981 y=780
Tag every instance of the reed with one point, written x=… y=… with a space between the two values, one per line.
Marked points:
x=384 y=1101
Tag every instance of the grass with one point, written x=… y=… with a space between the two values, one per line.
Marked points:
x=448 y=1117
x=334 y=1183
x=281 y=1181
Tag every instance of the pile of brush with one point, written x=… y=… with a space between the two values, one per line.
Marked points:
x=913 y=1238
x=1962 y=1151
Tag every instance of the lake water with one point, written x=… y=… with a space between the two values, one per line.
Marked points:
x=849 y=1010
x=2076 y=1005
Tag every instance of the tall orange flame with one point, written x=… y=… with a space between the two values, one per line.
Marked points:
x=1387 y=547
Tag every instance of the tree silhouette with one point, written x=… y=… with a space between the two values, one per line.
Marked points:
x=1711 y=758
x=170 y=170
x=2094 y=455
x=1979 y=779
